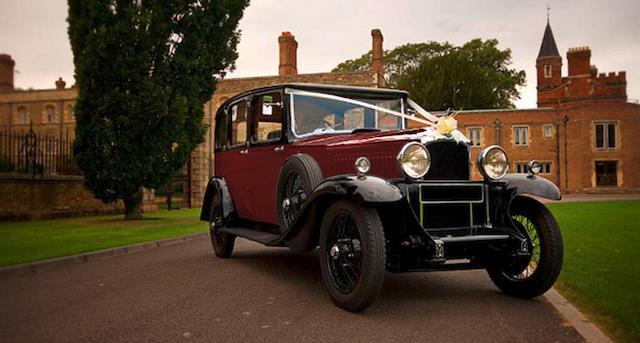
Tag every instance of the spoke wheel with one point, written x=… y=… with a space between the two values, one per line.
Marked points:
x=352 y=254
x=534 y=246
x=533 y=276
x=299 y=176
x=344 y=256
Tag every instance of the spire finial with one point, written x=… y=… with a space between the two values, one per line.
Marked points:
x=548 y=11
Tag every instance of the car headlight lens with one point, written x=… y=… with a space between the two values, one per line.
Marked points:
x=493 y=162
x=414 y=160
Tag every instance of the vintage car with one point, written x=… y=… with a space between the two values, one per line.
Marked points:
x=380 y=185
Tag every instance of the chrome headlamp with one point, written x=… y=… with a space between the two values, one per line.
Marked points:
x=414 y=160
x=493 y=162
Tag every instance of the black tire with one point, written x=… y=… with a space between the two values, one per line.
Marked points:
x=370 y=258
x=539 y=273
x=299 y=175
x=221 y=242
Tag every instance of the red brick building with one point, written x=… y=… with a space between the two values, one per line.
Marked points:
x=583 y=131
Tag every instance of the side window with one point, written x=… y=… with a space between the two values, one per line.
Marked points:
x=222 y=124
x=238 y=114
x=267 y=117
x=520 y=135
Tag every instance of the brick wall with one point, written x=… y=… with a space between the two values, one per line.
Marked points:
x=22 y=197
x=573 y=167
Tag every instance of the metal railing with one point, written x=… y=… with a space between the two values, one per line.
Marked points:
x=37 y=154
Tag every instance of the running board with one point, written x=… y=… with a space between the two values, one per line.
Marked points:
x=254 y=235
x=472 y=239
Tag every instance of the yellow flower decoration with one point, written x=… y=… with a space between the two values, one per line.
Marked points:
x=446 y=125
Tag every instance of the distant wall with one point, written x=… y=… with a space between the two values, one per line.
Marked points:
x=23 y=198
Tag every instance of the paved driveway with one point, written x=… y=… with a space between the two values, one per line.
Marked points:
x=183 y=293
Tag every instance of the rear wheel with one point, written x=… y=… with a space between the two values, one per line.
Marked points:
x=352 y=254
x=537 y=274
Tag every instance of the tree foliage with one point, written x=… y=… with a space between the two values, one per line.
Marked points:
x=144 y=70
x=441 y=76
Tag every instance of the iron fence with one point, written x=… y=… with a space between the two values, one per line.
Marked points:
x=38 y=154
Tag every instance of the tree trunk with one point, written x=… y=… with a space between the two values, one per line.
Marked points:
x=133 y=206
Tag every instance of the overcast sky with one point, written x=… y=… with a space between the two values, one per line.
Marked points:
x=34 y=32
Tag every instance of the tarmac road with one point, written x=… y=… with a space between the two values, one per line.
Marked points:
x=182 y=293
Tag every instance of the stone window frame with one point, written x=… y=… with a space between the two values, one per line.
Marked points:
x=479 y=142
x=527 y=136
x=551 y=131
x=26 y=115
x=546 y=167
x=548 y=71
x=605 y=138
x=70 y=112
x=45 y=114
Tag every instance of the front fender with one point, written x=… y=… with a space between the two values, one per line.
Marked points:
x=303 y=233
x=536 y=185
x=366 y=189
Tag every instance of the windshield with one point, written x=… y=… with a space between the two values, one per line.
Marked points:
x=315 y=114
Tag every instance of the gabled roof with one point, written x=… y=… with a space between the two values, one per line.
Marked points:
x=548 y=47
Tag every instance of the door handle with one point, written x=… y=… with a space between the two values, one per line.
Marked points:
x=244 y=152
x=278 y=148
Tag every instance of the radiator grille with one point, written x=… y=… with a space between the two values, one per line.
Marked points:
x=449 y=161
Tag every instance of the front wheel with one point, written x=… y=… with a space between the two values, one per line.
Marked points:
x=352 y=254
x=541 y=270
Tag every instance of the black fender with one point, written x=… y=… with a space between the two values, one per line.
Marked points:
x=532 y=184
x=372 y=190
x=217 y=195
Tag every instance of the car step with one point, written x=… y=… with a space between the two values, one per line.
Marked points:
x=256 y=236
x=472 y=239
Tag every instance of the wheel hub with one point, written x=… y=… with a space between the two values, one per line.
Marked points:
x=334 y=252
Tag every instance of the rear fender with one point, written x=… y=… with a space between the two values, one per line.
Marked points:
x=217 y=197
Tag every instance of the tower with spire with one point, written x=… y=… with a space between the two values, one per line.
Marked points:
x=548 y=64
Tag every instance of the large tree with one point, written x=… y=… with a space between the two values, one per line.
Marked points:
x=441 y=76
x=144 y=70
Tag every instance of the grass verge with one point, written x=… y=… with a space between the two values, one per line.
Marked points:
x=29 y=241
x=601 y=271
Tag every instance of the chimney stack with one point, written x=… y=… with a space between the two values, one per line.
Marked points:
x=377 y=62
x=60 y=84
x=7 y=65
x=579 y=60
x=288 y=51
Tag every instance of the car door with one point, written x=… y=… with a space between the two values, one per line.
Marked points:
x=232 y=163
x=267 y=153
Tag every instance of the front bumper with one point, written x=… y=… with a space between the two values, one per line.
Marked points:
x=454 y=220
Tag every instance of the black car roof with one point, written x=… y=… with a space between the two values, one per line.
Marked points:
x=317 y=87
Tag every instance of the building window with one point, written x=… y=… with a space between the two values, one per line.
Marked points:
x=547 y=130
x=523 y=167
x=520 y=135
x=548 y=69
x=474 y=136
x=606 y=173
x=23 y=116
x=71 y=114
x=50 y=113
x=605 y=135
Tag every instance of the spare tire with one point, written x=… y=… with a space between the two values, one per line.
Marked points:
x=299 y=176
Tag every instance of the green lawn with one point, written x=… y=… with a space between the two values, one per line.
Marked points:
x=601 y=272
x=37 y=240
